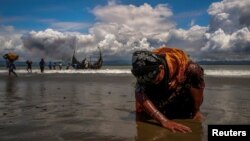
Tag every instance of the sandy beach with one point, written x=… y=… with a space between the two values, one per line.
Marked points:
x=94 y=107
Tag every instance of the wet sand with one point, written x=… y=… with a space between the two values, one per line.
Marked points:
x=94 y=107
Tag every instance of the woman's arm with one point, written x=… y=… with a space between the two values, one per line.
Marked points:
x=150 y=109
x=195 y=75
x=197 y=95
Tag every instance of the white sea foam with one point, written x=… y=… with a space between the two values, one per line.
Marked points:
x=208 y=72
x=229 y=73
x=71 y=71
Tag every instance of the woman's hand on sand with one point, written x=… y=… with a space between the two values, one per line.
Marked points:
x=174 y=126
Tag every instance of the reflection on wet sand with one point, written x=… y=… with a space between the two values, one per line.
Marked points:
x=149 y=130
x=101 y=108
x=10 y=87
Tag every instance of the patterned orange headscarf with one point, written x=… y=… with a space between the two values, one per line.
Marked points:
x=177 y=62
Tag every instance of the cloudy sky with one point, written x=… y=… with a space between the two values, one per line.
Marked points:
x=52 y=29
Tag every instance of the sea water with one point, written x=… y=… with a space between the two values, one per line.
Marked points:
x=210 y=70
x=99 y=104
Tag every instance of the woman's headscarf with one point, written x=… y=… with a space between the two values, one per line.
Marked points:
x=145 y=66
x=177 y=62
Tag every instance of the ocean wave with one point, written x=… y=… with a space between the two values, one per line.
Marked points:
x=228 y=73
x=221 y=72
x=71 y=71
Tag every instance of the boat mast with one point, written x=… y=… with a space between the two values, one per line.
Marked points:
x=75 y=47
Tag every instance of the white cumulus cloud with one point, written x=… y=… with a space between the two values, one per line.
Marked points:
x=120 y=29
x=229 y=30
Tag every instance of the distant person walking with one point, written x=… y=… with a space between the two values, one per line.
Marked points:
x=54 y=65
x=50 y=65
x=42 y=64
x=68 y=66
x=12 y=67
x=29 y=65
x=60 y=65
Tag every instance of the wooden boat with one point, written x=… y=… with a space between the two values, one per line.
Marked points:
x=87 y=64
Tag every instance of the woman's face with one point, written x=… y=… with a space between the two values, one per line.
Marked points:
x=160 y=76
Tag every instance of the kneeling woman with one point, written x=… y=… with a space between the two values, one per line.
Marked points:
x=169 y=86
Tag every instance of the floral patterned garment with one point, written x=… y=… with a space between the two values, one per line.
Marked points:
x=177 y=63
x=178 y=102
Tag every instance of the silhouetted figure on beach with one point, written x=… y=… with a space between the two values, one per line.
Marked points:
x=60 y=65
x=54 y=66
x=42 y=64
x=29 y=65
x=68 y=66
x=50 y=65
x=12 y=67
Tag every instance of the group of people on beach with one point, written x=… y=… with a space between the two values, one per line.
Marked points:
x=53 y=66
x=12 y=67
